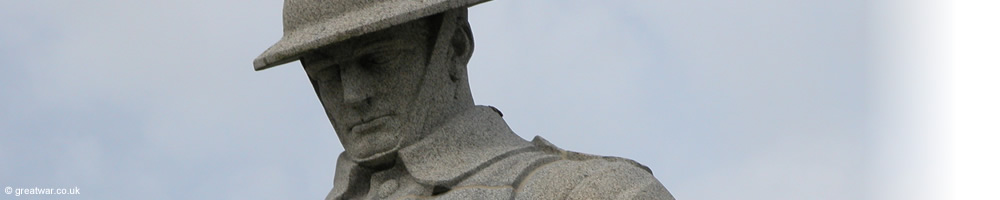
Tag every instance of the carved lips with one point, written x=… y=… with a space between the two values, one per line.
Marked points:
x=369 y=124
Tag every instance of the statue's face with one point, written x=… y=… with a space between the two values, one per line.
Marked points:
x=368 y=85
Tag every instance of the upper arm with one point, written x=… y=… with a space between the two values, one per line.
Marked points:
x=619 y=180
x=591 y=179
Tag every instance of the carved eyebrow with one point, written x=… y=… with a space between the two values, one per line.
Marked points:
x=376 y=41
x=324 y=59
x=382 y=45
x=319 y=62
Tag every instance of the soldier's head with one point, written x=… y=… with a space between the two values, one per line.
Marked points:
x=385 y=88
x=382 y=90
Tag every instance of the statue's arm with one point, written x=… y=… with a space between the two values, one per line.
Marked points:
x=592 y=179
x=620 y=180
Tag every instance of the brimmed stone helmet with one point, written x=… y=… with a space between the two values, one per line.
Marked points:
x=311 y=24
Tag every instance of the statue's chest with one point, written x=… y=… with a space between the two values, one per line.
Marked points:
x=495 y=181
x=474 y=192
x=407 y=188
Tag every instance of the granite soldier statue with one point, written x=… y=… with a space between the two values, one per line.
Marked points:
x=392 y=78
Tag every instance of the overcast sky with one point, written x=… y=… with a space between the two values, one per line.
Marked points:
x=764 y=99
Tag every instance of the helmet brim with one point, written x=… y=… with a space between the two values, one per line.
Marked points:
x=351 y=24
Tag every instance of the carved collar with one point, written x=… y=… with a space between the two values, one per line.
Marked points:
x=461 y=146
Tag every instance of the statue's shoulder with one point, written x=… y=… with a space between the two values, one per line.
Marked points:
x=577 y=175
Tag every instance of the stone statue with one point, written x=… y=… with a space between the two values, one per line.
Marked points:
x=392 y=77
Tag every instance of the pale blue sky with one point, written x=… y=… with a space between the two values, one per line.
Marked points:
x=722 y=99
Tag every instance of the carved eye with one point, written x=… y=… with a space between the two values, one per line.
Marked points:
x=328 y=74
x=378 y=59
x=320 y=69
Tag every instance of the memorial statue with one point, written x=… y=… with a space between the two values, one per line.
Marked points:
x=392 y=78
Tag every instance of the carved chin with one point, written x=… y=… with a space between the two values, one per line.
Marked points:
x=373 y=157
x=379 y=144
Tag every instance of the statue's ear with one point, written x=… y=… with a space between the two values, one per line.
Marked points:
x=462 y=43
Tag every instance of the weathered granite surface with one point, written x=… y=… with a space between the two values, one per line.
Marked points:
x=392 y=78
x=476 y=156
x=311 y=24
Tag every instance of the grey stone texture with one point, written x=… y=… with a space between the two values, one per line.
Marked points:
x=392 y=78
x=477 y=156
x=311 y=24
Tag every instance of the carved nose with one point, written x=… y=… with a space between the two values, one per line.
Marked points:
x=356 y=83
